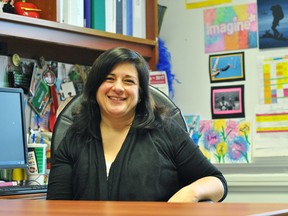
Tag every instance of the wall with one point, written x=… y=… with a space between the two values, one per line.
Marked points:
x=183 y=33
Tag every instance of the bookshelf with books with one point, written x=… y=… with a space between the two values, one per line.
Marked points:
x=32 y=38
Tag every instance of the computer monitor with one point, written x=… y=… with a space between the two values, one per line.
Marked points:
x=13 y=138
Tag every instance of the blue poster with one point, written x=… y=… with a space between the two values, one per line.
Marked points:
x=272 y=23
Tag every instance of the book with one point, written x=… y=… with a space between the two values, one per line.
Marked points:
x=139 y=18
x=110 y=16
x=87 y=13
x=98 y=15
x=119 y=16
x=70 y=12
x=59 y=11
x=127 y=17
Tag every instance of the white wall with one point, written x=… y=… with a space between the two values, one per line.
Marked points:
x=183 y=33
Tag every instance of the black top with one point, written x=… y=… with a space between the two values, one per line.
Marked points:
x=152 y=165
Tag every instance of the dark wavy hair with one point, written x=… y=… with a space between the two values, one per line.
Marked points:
x=88 y=117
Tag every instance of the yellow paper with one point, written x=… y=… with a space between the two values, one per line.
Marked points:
x=191 y=4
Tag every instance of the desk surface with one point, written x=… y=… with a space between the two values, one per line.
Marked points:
x=57 y=207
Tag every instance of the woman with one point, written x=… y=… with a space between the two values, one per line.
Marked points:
x=122 y=147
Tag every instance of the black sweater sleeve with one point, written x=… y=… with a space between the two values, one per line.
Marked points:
x=190 y=161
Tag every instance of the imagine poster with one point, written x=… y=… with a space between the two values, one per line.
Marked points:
x=226 y=141
x=230 y=28
x=272 y=23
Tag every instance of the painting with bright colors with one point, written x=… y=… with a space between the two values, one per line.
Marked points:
x=230 y=28
x=226 y=141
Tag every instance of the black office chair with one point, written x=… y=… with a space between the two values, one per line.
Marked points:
x=65 y=119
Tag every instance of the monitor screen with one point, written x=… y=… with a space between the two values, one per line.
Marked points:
x=13 y=138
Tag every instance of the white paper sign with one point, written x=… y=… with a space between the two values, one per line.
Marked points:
x=159 y=80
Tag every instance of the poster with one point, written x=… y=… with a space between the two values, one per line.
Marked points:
x=272 y=23
x=230 y=28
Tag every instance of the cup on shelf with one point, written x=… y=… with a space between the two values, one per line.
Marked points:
x=37 y=169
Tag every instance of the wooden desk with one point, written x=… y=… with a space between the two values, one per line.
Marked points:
x=100 y=208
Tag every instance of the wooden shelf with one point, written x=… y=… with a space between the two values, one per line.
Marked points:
x=32 y=38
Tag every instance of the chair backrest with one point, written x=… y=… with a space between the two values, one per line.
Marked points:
x=65 y=118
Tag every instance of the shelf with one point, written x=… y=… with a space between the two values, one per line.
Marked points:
x=32 y=38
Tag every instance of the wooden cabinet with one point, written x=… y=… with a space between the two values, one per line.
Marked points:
x=32 y=38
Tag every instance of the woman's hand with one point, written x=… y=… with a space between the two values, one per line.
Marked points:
x=185 y=194
x=207 y=188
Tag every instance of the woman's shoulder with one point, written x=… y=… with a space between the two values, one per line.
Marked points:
x=171 y=124
x=73 y=143
x=170 y=129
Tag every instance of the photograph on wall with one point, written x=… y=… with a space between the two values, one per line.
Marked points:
x=226 y=141
x=226 y=67
x=227 y=101
x=230 y=28
x=272 y=23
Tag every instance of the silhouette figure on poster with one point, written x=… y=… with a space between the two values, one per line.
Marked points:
x=278 y=15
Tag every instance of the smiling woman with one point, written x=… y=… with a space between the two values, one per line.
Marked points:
x=122 y=146
x=119 y=94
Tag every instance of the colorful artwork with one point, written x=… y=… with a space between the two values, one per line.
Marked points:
x=272 y=23
x=192 y=122
x=225 y=141
x=230 y=28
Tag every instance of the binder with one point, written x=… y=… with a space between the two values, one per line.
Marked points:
x=87 y=13
x=139 y=18
x=98 y=15
x=127 y=17
x=71 y=12
x=119 y=16
x=110 y=14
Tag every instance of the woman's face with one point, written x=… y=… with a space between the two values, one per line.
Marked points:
x=118 y=95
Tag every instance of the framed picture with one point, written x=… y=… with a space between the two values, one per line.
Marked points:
x=272 y=23
x=227 y=102
x=226 y=67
